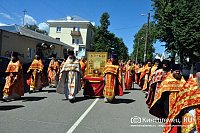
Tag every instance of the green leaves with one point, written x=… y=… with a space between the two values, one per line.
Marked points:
x=139 y=38
x=35 y=28
x=178 y=24
x=104 y=40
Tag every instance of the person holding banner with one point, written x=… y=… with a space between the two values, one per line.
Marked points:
x=113 y=80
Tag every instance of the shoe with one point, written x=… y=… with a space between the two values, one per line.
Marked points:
x=105 y=100
x=146 y=95
x=5 y=99
x=31 y=91
x=71 y=100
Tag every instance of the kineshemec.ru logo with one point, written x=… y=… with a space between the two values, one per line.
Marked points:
x=145 y=120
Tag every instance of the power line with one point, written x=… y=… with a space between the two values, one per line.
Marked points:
x=126 y=28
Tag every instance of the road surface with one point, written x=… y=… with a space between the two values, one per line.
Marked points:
x=49 y=112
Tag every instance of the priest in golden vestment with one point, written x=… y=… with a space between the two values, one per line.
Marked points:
x=166 y=95
x=14 y=86
x=36 y=75
x=186 y=108
x=129 y=74
x=83 y=64
x=113 y=80
x=70 y=78
x=155 y=80
x=53 y=71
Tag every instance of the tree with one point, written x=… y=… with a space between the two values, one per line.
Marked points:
x=101 y=35
x=105 y=21
x=104 y=40
x=177 y=23
x=139 y=38
x=36 y=29
x=120 y=49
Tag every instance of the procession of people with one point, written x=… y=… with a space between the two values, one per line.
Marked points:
x=169 y=94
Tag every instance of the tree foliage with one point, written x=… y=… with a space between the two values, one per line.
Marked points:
x=36 y=28
x=140 y=38
x=104 y=40
x=178 y=23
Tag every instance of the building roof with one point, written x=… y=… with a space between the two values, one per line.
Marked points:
x=10 y=28
x=29 y=33
x=71 y=19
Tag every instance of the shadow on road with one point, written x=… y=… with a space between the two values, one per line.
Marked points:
x=132 y=89
x=25 y=99
x=49 y=91
x=136 y=89
x=10 y=107
x=126 y=92
x=79 y=99
x=119 y=101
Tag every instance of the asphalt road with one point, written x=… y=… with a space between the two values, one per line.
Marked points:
x=49 y=112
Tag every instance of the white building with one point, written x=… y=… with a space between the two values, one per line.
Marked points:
x=73 y=30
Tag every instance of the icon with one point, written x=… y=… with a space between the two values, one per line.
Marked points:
x=136 y=119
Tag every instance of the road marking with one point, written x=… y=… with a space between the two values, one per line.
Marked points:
x=82 y=117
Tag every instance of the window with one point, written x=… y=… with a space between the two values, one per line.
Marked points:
x=78 y=28
x=77 y=41
x=81 y=48
x=73 y=41
x=58 y=29
x=58 y=39
x=29 y=53
x=74 y=28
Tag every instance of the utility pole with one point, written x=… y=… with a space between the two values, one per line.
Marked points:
x=138 y=45
x=24 y=15
x=147 y=38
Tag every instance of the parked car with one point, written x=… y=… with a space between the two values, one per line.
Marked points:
x=4 y=61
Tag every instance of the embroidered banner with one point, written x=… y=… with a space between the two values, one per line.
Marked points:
x=96 y=62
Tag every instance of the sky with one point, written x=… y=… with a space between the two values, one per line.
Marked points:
x=125 y=15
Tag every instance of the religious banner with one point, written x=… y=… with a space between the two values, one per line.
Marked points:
x=96 y=62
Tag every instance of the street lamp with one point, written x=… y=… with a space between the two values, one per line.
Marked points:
x=147 y=36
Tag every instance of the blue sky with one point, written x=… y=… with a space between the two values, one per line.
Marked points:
x=125 y=15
